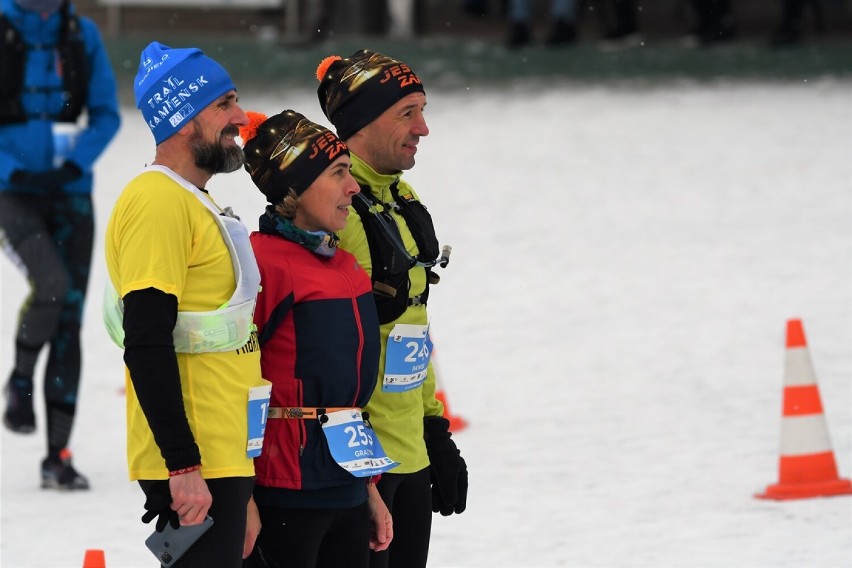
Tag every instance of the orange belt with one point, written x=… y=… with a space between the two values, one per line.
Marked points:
x=299 y=412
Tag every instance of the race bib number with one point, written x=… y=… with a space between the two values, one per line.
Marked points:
x=354 y=445
x=406 y=357
x=258 y=411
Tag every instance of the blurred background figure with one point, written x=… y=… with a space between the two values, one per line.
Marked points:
x=714 y=23
x=55 y=70
x=563 y=18
x=622 y=28
x=791 y=28
x=396 y=19
x=401 y=14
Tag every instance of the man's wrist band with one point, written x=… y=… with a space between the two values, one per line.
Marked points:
x=183 y=470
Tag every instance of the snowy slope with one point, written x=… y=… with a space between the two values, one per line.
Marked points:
x=611 y=323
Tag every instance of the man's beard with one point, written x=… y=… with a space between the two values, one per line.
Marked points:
x=214 y=158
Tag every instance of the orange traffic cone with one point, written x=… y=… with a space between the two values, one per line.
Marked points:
x=807 y=467
x=94 y=559
x=457 y=423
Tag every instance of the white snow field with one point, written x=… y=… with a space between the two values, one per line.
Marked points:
x=625 y=259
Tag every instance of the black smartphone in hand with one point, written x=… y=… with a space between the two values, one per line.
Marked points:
x=168 y=546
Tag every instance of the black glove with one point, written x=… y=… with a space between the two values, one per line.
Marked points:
x=48 y=180
x=158 y=504
x=447 y=468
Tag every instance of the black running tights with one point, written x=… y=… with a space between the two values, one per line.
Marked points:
x=222 y=545
x=409 y=499
x=50 y=240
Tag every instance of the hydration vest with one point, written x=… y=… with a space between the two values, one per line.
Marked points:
x=388 y=255
x=72 y=64
x=227 y=328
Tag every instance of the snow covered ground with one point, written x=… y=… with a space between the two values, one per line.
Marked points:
x=625 y=258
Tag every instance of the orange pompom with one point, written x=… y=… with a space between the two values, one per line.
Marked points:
x=249 y=131
x=322 y=68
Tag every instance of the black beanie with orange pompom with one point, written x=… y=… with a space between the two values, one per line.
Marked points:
x=287 y=151
x=354 y=91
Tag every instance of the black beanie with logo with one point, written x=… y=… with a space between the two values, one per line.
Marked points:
x=287 y=151
x=354 y=91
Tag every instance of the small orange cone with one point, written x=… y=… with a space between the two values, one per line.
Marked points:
x=807 y=467
x=94 y=559
x=457 y=423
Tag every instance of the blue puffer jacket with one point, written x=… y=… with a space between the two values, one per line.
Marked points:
x=29 y=145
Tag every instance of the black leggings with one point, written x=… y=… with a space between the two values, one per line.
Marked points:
x=333 y=538
x=50 y=241
x=222 y=544
x=408 y=496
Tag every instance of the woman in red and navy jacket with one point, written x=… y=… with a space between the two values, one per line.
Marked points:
x=319 y=337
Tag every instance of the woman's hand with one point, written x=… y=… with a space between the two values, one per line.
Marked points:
x=381 y=533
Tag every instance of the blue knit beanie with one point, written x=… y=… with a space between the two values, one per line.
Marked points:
x=173 y=85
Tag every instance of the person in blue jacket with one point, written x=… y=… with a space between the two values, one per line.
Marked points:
x=58 y=112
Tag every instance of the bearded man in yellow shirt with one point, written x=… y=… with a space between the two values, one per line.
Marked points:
x=183 y=287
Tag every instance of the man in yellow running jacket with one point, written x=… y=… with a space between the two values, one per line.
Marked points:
x=376 y=104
